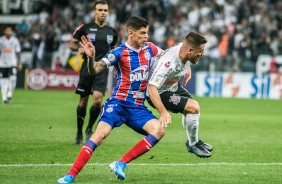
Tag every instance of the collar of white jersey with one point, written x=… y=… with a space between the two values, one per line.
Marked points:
x=136 y=50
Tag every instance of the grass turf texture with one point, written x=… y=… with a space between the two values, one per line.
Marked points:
x=38 y=130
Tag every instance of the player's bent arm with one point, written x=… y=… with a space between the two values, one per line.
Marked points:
x=155 y=98
x=19 y=61
x=95 y=67
x=165 y=117
x=187 y=76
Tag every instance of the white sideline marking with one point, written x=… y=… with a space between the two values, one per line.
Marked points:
x=103 y=164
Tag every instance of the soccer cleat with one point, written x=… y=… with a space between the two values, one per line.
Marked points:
x=9 y=100
x=90 y=66
x=88 y=133
x=198 y=149
x=66 y=179
x=78 y=138
x=205 y=145
x=118 y=169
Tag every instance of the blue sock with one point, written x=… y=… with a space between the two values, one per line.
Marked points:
x=90 y=144
x=152 y=139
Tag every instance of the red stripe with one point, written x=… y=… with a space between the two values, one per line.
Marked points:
x=124 y=65
x=77 y=29
x=154 y=48
x=144 y=83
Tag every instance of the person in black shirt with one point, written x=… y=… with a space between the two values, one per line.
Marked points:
x=104 y=38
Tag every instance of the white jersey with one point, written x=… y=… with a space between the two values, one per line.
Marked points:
x=168 y=69
x=8 y=50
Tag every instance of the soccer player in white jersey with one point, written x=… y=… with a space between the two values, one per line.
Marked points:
x=9 y=63
x=167 y=94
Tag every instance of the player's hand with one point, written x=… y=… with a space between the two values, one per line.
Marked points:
x=165 y=119
x=80 y=51
x=88 y=46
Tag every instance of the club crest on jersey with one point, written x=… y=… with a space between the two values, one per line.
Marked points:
x=92 y=37
x=147 y=55
x=110 y=39
x=111 y=57
x=140 y=73
x=175 y=99
x=157 y=79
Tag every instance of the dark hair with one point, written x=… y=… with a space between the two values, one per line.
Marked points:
x=195 y=39
x=100 y=2
x=136 y=22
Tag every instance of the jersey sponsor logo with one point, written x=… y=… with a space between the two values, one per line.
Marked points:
x=175 y=99
x=110 y=39
x=111 y=57
x=7 y=50
x=138 y=94
x=140 y=73
x=92 y=37
x=167 y=64
x=93 y=29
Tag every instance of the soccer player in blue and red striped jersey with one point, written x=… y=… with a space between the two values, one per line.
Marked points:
x=126 y=102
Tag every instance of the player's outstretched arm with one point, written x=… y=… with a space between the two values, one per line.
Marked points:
x=89 y=49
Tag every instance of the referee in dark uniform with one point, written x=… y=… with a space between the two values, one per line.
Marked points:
x=104 y=38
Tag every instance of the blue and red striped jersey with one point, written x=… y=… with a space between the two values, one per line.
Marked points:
x=132 y=67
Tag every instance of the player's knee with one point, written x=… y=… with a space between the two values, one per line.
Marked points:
x=158 y=132
x=83 y=101
x=98 y=137
x=97 y=103
x=192 y=107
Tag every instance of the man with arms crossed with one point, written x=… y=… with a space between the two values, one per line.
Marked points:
x=126 y=102
x=166 y=93
x=103 y=38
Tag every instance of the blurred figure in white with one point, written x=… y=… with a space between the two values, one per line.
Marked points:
x=10 y=62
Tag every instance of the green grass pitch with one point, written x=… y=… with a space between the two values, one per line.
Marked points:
x=37 y=134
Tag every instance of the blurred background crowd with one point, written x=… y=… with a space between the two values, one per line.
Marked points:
x=237 y=31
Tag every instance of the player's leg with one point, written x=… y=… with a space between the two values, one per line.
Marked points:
x=154 y=132
x=191 y=125
x=109 y=118
x=99 y=86
x=181 y=102
x=84 y=90
x=12 y=83
x=102 y=131
x=4 y=82
x=94 y=112
x=80 y=115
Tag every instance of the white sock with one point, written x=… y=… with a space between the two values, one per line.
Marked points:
x=191 y=126
x=4 y=88
x=11 y=85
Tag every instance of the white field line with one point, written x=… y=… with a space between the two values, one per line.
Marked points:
x=104 y=164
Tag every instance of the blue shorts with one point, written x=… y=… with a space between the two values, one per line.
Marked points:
x=116 y=112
